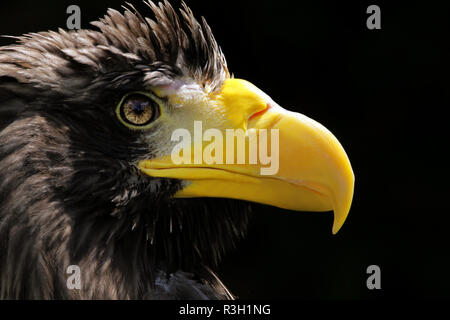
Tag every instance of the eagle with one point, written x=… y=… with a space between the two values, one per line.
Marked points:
x=87 y=177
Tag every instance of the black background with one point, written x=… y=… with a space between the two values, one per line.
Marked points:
x=381 y=92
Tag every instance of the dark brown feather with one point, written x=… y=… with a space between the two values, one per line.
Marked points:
x=69 y=192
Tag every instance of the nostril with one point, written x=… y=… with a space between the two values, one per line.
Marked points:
x=259 y=113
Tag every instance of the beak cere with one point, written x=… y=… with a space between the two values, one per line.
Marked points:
x=285 y=159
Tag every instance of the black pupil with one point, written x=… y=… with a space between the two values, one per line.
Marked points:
x=138 y=105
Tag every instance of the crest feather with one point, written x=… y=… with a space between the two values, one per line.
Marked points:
x=170 y=43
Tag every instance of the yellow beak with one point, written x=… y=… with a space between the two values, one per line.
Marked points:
x=311 y=171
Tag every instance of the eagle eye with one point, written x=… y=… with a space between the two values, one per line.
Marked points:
x=138 y=110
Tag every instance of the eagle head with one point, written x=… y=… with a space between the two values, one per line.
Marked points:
x=89 y=123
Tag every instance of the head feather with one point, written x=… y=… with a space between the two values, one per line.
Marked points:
x=167 y=46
